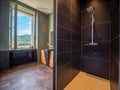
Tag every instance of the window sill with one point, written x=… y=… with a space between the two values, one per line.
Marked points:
x=22 y=49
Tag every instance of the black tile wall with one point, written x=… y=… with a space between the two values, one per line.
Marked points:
x=115 y=34
x=4 y=60
x=68 y=41
x=96 y=67
x=74 y=32
x=100 y=52
x=96 y=60
x=114 y=74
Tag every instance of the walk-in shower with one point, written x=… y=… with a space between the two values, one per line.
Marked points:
x=91 y=10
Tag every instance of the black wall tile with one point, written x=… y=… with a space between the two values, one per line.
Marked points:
x=114 y=74
x=68 y=41
x=101 y=52
x=115 y=32
x=103 y=32
x=4 y=60
x=96 y=67
x=63 y=8
x=76 y=37
x=64 y=33
x=63 y=76
x=76 y=27
x=75 y=55
x=64 y=21
x=96 y=59
x=64 y=46
x=85 y=18
x=64 y=58
x=75 y=68
x=86 y=33
x=102 y=11
x=75 y=45
x=115 y=49
x=115 y=26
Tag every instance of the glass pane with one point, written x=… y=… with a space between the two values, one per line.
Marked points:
x=13 y=23
x=24 y=30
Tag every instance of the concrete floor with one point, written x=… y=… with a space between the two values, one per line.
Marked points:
x=27 y=77
x=84 y=81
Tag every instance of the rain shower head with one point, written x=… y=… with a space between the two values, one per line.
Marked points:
x=90 y=9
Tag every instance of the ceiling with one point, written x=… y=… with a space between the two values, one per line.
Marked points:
x=45 y=6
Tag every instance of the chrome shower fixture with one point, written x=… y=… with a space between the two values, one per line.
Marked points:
x=91 y=9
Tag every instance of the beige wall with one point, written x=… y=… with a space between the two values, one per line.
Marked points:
x=51 y=21
x=43 y=31
x=51 y=24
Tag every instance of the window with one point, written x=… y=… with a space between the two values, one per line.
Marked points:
x=24 y=30
x=22 y=27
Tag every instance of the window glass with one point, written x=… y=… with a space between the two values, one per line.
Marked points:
x=24 y=30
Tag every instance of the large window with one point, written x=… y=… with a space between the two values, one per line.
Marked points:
x=24 y=30
x=22 y=27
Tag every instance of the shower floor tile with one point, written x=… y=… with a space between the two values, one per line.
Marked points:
x=84 y=81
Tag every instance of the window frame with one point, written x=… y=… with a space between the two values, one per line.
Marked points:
x=32 y=30
x=33 y=38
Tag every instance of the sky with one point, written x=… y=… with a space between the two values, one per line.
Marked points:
x=24 y=24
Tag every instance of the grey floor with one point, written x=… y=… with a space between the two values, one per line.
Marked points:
x=27 y=77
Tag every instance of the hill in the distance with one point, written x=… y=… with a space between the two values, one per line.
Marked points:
x=24 y=40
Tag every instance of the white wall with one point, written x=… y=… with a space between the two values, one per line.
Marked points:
x=43 y=31
x=51 y=21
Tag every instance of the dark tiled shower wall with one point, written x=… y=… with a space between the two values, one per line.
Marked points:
x=115 y=45
x=96 y=59
x=68 y=41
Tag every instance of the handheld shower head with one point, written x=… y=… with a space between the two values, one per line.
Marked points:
x=90 y=9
